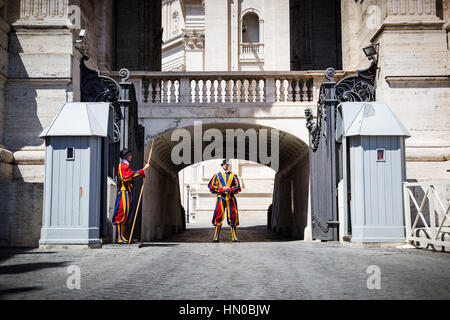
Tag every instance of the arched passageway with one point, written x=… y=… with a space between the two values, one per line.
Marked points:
x=174 y=150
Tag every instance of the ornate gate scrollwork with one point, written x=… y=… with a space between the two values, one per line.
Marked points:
x=316 y=220
x=359 y=87
x=98 y=88
x=356 y=88
x=95 y=87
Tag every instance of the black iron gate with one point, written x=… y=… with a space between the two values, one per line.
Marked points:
x=128 y=133
x=325 y=154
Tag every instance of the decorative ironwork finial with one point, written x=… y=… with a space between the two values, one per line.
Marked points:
x=329 y=74
x=124 y=75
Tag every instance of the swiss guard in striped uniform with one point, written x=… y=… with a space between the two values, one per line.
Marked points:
x=123 y=209
x=226 y=185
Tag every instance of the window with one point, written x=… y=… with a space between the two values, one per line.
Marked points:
x=381 y=155
x=70 y=154
x=250 y=28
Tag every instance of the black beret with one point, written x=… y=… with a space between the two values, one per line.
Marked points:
x=125 y=153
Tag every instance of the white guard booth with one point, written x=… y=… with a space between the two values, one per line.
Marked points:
x=373 y=148
x=76 y=150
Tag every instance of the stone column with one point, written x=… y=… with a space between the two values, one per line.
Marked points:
x=235 y=34
x=217 y=35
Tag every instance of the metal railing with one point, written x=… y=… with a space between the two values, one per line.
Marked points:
x=428 y=228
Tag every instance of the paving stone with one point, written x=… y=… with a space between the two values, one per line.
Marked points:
x=188 y=266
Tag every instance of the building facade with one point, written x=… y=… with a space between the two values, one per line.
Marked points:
x=39 y=68
x=191 y=43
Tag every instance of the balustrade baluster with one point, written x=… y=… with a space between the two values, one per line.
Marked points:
x=204 y=91
x=300 y=90
x=258 y=91
x=309 y=85
x=157 y=91
x=213 y=91
x=145 y=90
x=304 y=91
x=197 y=91
x=252 y=90
x=242 y=93
x=277 y=90
x=234 y=97
x=219 y=91
x=192 y=90
x=228 y=91
x=164 y=90
x=285 y=86
x=290 y=96
x=176 y=91
x=171 y=91
x=297 y=90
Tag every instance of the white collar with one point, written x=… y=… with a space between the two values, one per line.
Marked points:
x=126 y=162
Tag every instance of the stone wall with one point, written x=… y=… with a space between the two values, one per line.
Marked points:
x=359 y=23
x=6 y=156
x=162 y=212
x=38 y=83
x=291 y=201
x=21 y=214
x=41 y=76
x=413 y=77
x=414 y=80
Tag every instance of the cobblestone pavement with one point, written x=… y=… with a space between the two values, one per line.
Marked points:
x=262 y=266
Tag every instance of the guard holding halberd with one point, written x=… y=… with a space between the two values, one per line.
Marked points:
x=122 y=211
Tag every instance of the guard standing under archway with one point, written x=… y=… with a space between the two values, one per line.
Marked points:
x=226 y=185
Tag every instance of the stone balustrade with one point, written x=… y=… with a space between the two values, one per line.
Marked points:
x=251 y=51
x=193 y=88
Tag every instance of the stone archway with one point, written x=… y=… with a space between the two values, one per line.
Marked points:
x=162 y=214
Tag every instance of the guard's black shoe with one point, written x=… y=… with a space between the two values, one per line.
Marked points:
x=215 y=241
x=235 y=241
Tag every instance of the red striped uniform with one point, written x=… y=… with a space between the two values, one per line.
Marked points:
x=226 y=201
x=122 y=210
